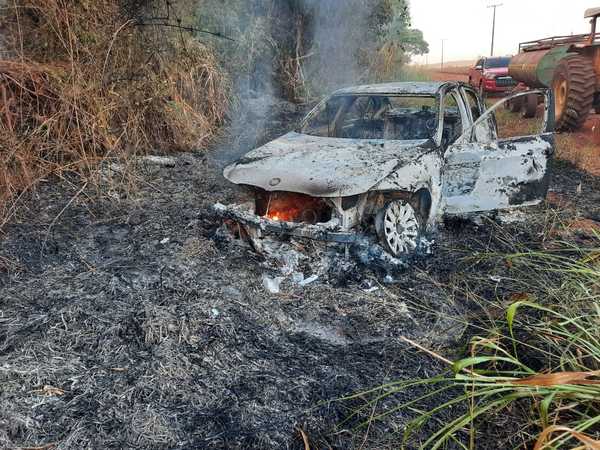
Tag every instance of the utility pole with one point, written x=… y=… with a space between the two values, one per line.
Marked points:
x=497 y=5
x=442 y=65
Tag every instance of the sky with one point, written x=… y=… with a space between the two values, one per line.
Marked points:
x=466 y=25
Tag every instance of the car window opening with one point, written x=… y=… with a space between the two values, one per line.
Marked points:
x=375 y=117
x=453 y=124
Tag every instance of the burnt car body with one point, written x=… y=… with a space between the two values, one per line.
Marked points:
x=389 y=160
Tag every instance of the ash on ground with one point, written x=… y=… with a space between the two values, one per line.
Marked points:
x=130 y=322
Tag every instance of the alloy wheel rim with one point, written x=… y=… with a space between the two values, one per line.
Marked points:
x=400 y=227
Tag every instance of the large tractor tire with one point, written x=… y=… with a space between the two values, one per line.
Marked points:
x=530 y=104
x=515 y=105
x=574 y=85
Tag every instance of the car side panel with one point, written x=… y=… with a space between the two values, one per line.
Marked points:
x=424 y=173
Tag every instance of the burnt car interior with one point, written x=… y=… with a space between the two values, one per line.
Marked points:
x=292 y=207
x=385 y=117
x=375 y=117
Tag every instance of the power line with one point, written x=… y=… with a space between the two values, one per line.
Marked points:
x=497 y=5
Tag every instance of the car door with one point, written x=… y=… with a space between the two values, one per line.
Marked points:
x=483 y=173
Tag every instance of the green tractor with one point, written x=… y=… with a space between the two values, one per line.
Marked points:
x=570 y=66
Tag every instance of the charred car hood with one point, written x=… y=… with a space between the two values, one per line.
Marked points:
x=322 y=166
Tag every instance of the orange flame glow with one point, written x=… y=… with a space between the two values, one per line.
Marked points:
x=290 y=207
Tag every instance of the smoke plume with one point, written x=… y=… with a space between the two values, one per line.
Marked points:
x=323 y=37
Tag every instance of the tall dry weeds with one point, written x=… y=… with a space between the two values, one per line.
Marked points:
x=89 y=80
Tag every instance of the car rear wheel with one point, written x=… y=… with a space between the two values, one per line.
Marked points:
x=398 y=228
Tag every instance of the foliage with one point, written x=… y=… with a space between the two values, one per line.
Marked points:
x=300 y=49
x=112 y=78
x=540 y=363
x=250 y=24
x=397 y=40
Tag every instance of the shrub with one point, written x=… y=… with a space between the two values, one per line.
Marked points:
x=89 y=80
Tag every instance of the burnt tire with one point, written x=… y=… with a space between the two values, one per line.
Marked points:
x=530 y=104
x=574 y=85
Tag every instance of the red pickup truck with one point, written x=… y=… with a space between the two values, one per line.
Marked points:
x=490 y=75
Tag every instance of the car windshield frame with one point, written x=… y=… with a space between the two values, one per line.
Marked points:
x=318 y=109
x=499 y=63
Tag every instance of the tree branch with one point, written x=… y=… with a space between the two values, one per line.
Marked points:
x=182 y=27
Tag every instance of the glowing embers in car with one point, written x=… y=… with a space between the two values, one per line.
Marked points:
x=292 y=207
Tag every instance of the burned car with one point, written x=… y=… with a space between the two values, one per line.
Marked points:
x=390 y=161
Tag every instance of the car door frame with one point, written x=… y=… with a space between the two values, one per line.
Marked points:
x=466 y=120
x=489 y=127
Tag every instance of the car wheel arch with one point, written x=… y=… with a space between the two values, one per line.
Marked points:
x=422 y=201
x=420 y=197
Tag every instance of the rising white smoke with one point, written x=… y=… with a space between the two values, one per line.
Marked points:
x=340 y=29
x=335 y=31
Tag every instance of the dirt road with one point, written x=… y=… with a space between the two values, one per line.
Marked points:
x=453 y=74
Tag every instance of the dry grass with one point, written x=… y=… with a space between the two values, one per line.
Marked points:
x=512 y=124
x=100 y=86
x=456 y=70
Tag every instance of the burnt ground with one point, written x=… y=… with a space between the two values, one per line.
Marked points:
x=131 y=321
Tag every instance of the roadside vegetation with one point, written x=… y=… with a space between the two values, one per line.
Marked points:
x=90 y=81
x=299 y=50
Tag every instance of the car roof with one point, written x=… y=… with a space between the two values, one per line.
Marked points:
x=413 y=87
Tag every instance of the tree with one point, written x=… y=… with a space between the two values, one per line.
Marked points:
x=300 y=49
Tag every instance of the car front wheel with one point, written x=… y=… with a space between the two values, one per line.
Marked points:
x=398 y=228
